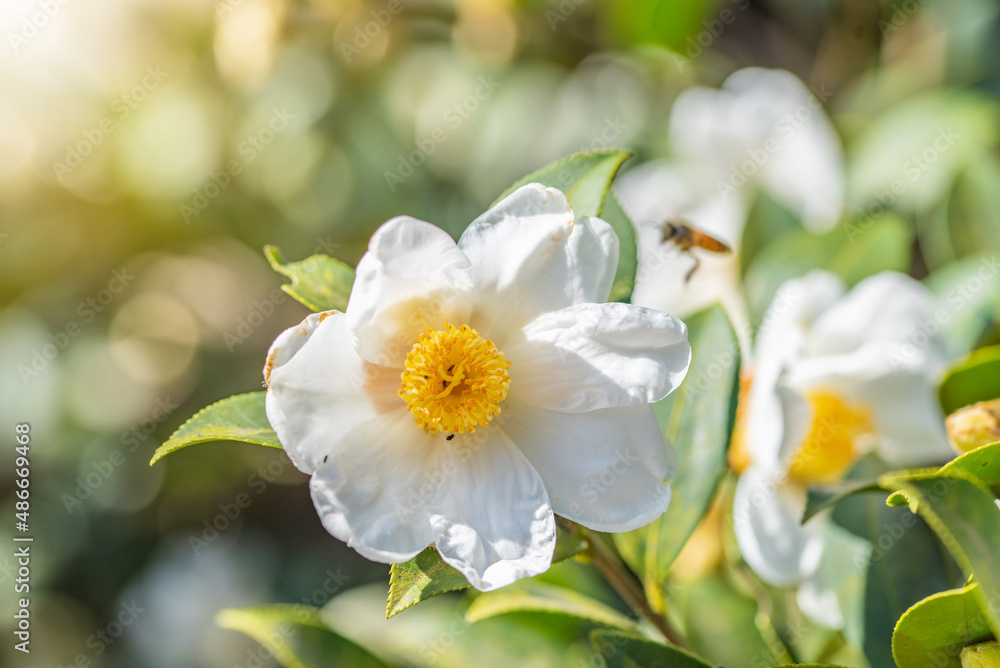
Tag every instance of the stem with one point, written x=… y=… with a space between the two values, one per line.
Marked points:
x=619 y=577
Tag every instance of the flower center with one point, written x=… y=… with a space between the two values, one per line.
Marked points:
x=830 y=447
x=454 y=380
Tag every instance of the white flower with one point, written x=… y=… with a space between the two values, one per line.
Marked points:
x=834 y=376
x=472 y=390
x=762 y=130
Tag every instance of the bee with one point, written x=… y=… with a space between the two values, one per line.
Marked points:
x=686 y=237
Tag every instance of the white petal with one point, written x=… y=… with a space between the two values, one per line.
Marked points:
x=766 y=514
x=529 y=256
x=883 y=322
x=662 y=278
x=764 y=126
x=592 y=356
x=908 y=417
x=374 y=490
x=607 y=469
x=495 y=523
x=834 y=594
x=412 y=277
x=319 y=389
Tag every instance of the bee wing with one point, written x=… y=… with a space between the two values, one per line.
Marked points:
x=709 y=243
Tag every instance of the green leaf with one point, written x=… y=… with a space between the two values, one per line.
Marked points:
x=320 y=282
x=975 y=379
x=628 y=262
x=297 y=636
x=821 y=498
x=698 y=418
x=712 y=603
x=533 y=596
x=965 y=515
x=934 y=631
x=585 y=179
x=626 y=650
x=983 y=462
x=894 y=579
x=238 y=418
x=426 y=575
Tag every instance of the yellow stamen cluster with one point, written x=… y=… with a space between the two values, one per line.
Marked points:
x=831 y=445
x=454 y=380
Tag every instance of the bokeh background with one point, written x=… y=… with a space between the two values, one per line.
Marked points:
x=150 y=148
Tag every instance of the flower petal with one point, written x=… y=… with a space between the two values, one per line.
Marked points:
x=766 y=514
x=318 y=388
x=412 y=277
x=374 y=489
x=495 y=525
x=607 y=469
x=529 y=256
x=592 y=356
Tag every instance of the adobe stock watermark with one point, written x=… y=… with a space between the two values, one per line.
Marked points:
x=100 y=471
x=35 y=22
x=784 y=128
x=257 y=482
x=363 y=35
x=901 y=14
x=912 y=169
x=918 y=341
x=60 y=340
x=248 y=150
x=121 y=108
x=258 y=315
x=101 y=639
x=711 y=30
x=278 y=635
x=452 y=119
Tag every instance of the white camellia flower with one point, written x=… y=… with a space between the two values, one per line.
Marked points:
x=834 y=376
x=473 y=390
x=764 y=129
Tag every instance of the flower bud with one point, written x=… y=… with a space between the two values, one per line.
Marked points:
x=984 y=655
x=974 y=426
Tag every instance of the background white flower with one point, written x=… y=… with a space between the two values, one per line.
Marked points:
x=764 y=129
x=472 y=390
x=834 y=376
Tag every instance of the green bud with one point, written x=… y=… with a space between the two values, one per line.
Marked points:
x=975 y=425
x=984 y=655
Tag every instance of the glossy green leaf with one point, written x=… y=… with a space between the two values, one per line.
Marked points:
x=965 y=514
x=983 y=462
x=426 y=575
x=934 y=631
x=708 y=604
x=533 y=596
x=894 y=579
x=698 y=418
x=628 y=262
x=297 y=637
x=975 y=379
x=238 y=418
x=586 y=178
x=822 y=498
x=320 y=282
x=627 y=650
